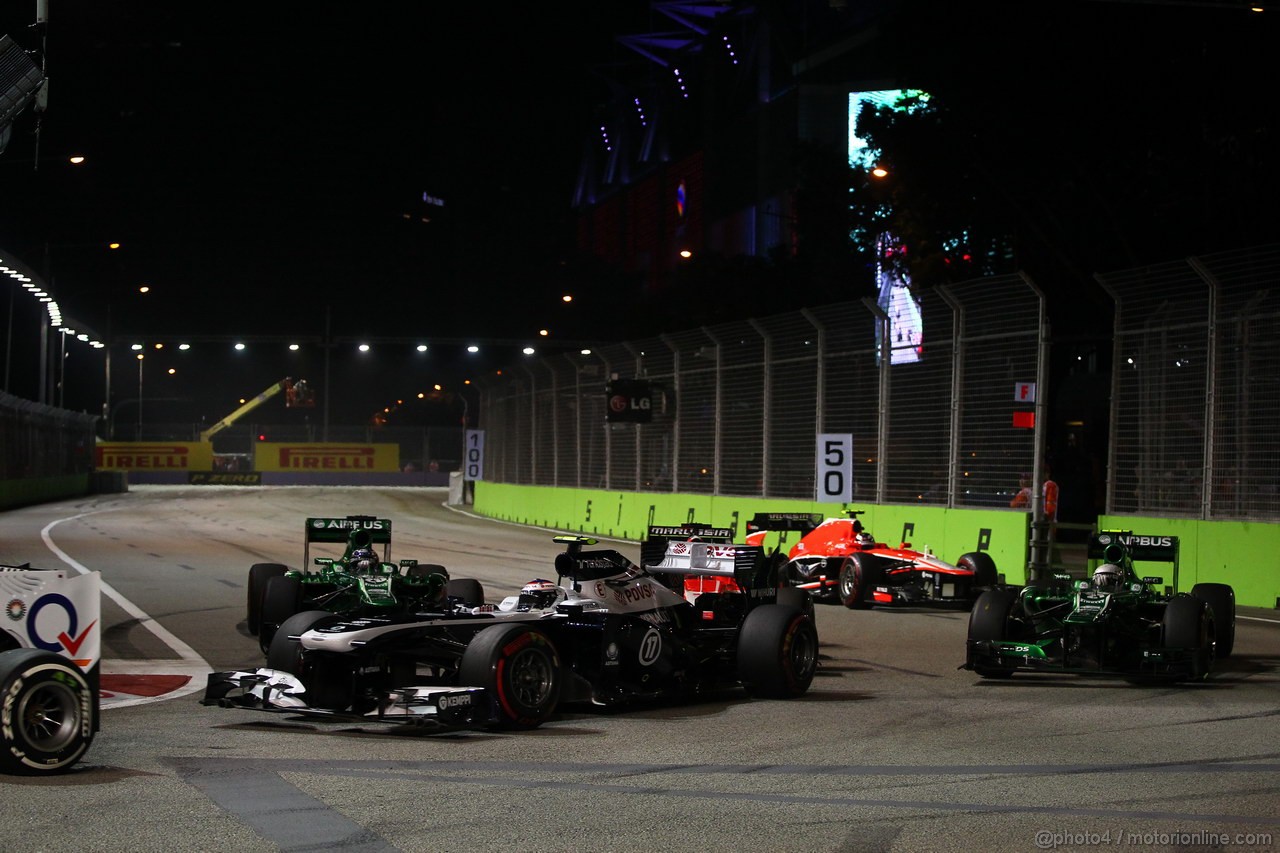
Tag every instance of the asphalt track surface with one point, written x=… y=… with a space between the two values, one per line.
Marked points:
x=894 y=747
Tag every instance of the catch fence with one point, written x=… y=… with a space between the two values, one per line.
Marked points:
x=738 y=407
x=1194 y=414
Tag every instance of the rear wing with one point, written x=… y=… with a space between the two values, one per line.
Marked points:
x=804 y=522
x=51 y=610
x=1124 y=546
x=339 y=529
x=699 y=549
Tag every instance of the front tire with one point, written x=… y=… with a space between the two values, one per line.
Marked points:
x=989 y=620
x=858 y=576
x=468 y=589
x=283 y=599
x=285 y=652
x=790 y=596
x=777 y=652
x=982 y=566
x=46 y=716
x=519 y=668
x=1188 y=624
x=260 y=574
x=1221 y=599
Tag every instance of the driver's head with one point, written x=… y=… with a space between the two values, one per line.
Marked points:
x=362 y=560
x=1108 y=576
x=538 y=594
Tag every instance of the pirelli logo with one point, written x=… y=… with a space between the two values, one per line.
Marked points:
x=136 y=456
x=321 y=458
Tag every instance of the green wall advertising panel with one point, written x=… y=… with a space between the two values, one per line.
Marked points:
x=1238 y=553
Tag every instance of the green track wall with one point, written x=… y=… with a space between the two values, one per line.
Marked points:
x=16 y=493
x=627 y=515
x=1239 y=553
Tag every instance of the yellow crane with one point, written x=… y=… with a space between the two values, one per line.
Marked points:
x=296 y=394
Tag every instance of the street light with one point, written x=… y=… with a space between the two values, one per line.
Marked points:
x=141 y=357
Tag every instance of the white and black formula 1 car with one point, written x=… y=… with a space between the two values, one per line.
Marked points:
x=606 y=632
x=50 y=653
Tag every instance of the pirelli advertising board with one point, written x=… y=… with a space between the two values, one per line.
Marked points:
x=153 y=456
x=329 y=457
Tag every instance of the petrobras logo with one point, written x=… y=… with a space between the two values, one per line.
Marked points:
x=304 y=457
x=149 y=456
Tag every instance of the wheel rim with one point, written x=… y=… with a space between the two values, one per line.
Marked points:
x=49 y=716
x=531 y=678
x=804 y=653
x=847 y=583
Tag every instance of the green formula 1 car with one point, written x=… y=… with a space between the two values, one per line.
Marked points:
x=359 y=582
x=1115 y=623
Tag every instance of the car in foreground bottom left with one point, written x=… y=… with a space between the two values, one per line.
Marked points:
x=50 y=653
x=606 y=632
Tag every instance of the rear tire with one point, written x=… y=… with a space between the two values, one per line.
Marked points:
x=858 y=576
x=46 y=718
x=519 y=668
x=989 y=620
x=260 y=574
x=777 y=652
x=1221 y=599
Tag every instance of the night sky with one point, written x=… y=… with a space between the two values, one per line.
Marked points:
x=263 y=165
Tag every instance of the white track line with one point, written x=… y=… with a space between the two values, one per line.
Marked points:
x=189 y=663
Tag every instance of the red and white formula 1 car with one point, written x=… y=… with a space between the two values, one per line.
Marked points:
x=50 y=651
x=836 y=559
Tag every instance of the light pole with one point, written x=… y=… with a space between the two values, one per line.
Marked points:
x=141 y=357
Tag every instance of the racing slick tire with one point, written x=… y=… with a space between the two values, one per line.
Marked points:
x=285 y=652
x=1188 y=624
x=283 y=598
x=1221 y=599
x=47 y=712
x=260 y=574
x=858 y=576
x=989 y=620
x=777 y=652
x=468 y=589
x=983 y=568
x=421 y=570
x=519 y=668
x=789 y=596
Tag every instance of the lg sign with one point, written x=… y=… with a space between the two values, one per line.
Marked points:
x=630 y=401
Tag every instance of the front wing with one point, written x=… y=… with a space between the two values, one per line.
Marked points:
x=1040 y=657
x=272 y=690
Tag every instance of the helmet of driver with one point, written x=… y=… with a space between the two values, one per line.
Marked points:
x=538 y=594
x=363 y=560
x=864 y=540
x=1108 y=576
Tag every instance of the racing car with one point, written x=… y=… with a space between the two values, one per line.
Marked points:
x=606 y=632
x=358 y=581
x=50 y=652
x=699 y=558
x=838 y=560
x=1115 y=623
